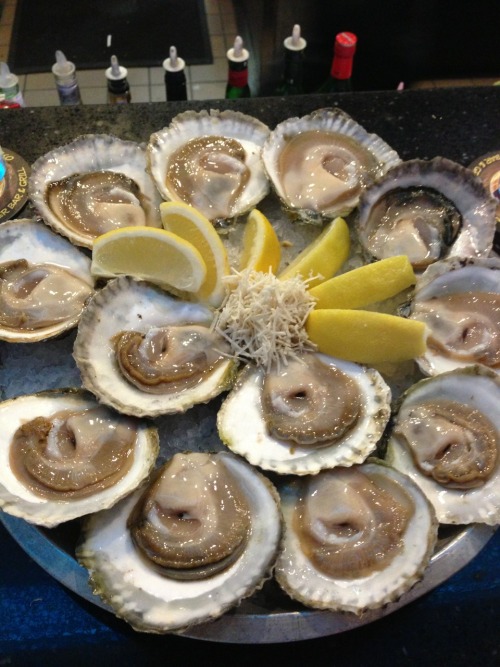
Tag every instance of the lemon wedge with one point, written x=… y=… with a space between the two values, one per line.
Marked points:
x=322 y=258
x=366 y=285
x=191 y=225
x=366 y=337
x=149 y=254
x=261 y=247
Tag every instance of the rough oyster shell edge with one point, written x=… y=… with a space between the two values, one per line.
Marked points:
x=140 y=604
x=17 y=500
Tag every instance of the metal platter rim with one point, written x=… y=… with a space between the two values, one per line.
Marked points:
x=258 y=628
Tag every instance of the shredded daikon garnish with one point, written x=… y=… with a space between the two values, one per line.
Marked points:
x=263 y=318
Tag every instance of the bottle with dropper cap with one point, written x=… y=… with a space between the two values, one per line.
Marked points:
x=64 y=72
x=9 y=86
x=292 y=83
x=237 y=78
x=175 y=76
x=118 y=87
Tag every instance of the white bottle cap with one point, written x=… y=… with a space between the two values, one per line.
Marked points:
x=7 y=78
x=295 y=42
x=116 y=72
x=62 y=67
x=237 y=53
x=173 y=63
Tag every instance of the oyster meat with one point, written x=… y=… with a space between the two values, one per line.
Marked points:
x=446 y=437
x=45 y=282
x=315 y=412
x=211 y=161
x=147 y=353
x=93 y=185
x=459 y=301
x=319 y=164
x=62 y=456
x=202 y=535
x=427 y=210
x=355 y=538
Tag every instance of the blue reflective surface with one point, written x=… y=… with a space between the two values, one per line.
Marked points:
x=43 y=623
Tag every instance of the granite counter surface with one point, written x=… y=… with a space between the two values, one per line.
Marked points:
x=457 y=123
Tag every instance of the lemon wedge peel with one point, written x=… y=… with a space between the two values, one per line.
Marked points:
x=366 y=337
x=261 y=247
x=191 y=225
x=366 y=285
x=151 y=254
x=322 y=258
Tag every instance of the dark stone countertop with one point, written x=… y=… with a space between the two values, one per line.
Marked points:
x=457 y=123
x=457 y=623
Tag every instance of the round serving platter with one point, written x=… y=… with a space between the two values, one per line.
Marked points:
x=269 y=616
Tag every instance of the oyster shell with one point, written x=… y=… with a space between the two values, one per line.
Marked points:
x=147 y=353
x=211 y=160
x=63 y=456
x=176 y=555
x=317 y=412
x=426 y=209
x=459 y=301
x=446 y=437
x=44 y=282
x=319 y=164
x=355 y=538
x=92 y=185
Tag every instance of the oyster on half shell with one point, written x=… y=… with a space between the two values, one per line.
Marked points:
x=93 y=185
x=62 y=456
x=355 y=538
x=427 y=210
x=446 y=437
x=459 y=301
x=212 y=161
x=45 y=282
x=319 y=164
x=316 y=412
x=202 y=535
x=147 y=353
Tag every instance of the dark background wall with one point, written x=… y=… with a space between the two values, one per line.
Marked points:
x=398 y=40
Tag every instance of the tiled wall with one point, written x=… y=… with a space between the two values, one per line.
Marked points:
x=146 y=84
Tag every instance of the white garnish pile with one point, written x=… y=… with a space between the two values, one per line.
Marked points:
x=263 y=318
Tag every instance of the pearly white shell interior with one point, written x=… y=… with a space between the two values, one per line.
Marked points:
x=474 y=387
x=126 y=304
x=150 y=601
x=33 y=241
x=18 y=500
x=261 y=449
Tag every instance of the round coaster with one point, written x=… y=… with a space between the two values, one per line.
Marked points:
x=14 y=184
x=487 y=167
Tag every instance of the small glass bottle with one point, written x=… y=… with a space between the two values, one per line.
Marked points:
x=237 y=78
x=9 y=87
x=175 y=76
x=295 y=45
x=118 y=87
x=340 y=79
x=64 y=72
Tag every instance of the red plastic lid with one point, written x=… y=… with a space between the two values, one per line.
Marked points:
x=344 y=49
x=4 y=104
x=345 y=44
